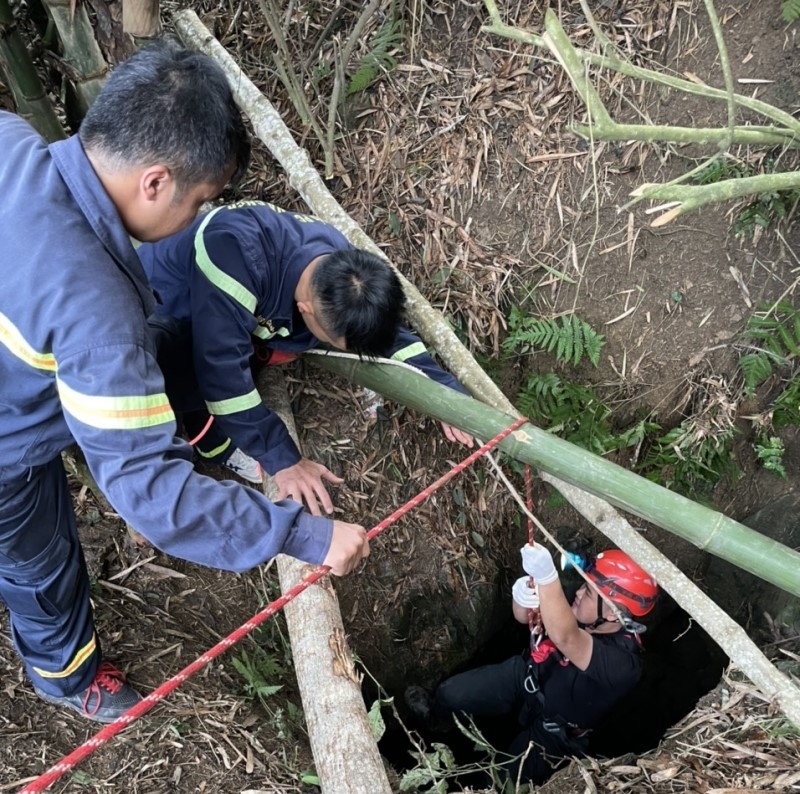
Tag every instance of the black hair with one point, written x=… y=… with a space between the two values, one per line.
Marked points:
x=359 y=297
x=169 y=105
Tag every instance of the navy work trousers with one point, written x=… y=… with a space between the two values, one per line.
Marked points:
x=44 y=582
x=499 y=689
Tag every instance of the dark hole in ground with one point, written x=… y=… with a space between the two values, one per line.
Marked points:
x=682 y=663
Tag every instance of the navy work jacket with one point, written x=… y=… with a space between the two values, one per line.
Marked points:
x=77 y=364
x=233 y=273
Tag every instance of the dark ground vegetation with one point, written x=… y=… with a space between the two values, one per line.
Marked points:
x=458 y=164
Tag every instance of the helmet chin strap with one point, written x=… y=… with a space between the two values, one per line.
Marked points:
x=600 y=619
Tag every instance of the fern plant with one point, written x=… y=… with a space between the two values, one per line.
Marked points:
x=569 y=340
x=777 y=335
x=575 y=413
x=790 y=10
x=379 y=59
x=769 y=450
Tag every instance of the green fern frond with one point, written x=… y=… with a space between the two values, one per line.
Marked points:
x=786 y=408
x=756 y=368
x=379 y=59
x=790 y=10
x=777 y=333
x=570 y=340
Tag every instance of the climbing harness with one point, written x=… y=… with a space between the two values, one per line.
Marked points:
x=143 y=706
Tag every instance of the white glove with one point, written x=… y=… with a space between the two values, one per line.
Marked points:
x=538 y=563
x=525 y=595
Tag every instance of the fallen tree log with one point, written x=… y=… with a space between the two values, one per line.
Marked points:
x=346 y=757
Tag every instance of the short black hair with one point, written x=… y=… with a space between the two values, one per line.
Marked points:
x=359 y=298
x=169 y=105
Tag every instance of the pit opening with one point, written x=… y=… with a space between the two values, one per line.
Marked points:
x=681 y=664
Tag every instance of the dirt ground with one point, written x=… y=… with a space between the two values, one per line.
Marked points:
x=460 y=165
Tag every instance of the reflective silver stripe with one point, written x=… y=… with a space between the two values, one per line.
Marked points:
x=14 y=342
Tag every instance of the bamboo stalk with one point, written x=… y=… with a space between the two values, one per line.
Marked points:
x=346 y=758
x=694 y=196
x=608 y=61
x=141 y=19
x=700 y=525
x=85 y=64
x=23 y=80
x=705 y=528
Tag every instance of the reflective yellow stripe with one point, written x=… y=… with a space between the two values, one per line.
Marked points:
x=80 y=657
x=264 y=333
x=214 y=452
x=16 y=344
x=116 y=413
x=410 y=351
x=234 y=404
x=217 y=277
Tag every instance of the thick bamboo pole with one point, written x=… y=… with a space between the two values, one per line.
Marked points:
x=272 y=130
x=705 y=528
x=87 y=67
x=141 y=19
x=346 y=757
x=29 y=94
x=698 y=524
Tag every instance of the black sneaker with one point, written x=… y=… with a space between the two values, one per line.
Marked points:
x=104 y=700
x=419 y=703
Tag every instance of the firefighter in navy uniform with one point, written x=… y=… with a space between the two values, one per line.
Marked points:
x=254 y=275
x=584 y=658
x=78 y=364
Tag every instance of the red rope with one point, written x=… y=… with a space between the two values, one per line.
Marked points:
x=144 y=705
x=202 y=432
x=534 y=615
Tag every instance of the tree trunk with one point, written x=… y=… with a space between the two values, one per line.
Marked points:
x=84 y=64
x=141 y=19
x=23 y=80
x=345 y=754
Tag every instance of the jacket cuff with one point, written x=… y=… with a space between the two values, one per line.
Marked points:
x=280 y=457
x=311 y=538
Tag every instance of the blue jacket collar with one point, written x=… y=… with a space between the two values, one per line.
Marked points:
x=89 y=194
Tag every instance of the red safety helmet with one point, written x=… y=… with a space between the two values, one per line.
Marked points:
x=617 y=576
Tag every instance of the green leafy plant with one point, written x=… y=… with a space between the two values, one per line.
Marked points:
x=769 y=450
x=259 y=671
x=379 y=59
x=786 y=408
x=690 y=456
x=569 y=340
x=776 y=334
x=576 y=413
x=790 y=10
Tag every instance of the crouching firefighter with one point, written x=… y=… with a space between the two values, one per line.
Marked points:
x=583 y=658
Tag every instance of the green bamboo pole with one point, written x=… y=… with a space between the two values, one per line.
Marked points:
x=705 y=528
x=85 y=63
x=29 y=94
